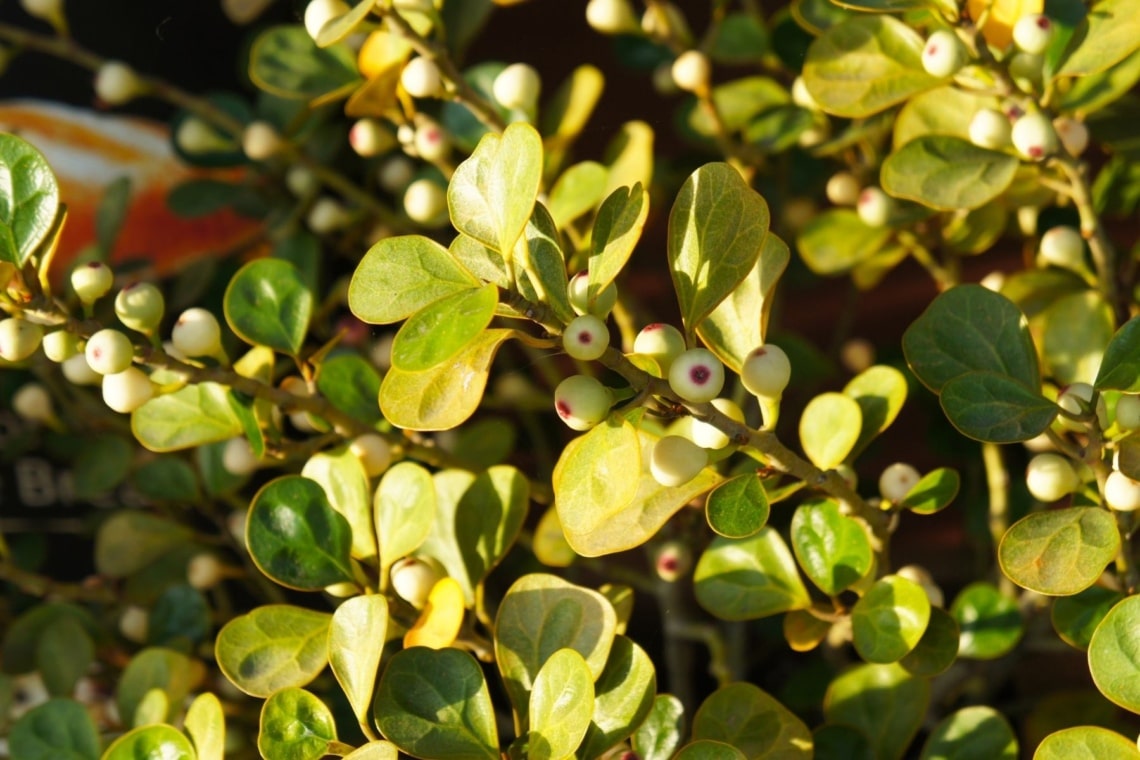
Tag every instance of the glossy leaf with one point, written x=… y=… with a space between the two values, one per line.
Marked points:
x=880 y=392
x=936 y=651
x=1092 y=93
x=579 y=189
x=1059 y=552
x=296 y=538
x=351 y=384
x=295 y=725
x=130 y=540
x=617 y=229
x=716 y=231
x=988 y=406
x=561 y=703
x=435 y=703
x=492 y=193
x=889 y=619
x=977 y=731
x=59 y=729
x=1120 y=367
x=29 y=199
x=340 y=473
x=883 y=701
x=804 y=631
x=737 y=508
x=623 y=698
x=1086 y=743
x=568 y=111
x=989 y=622
x=268 y=304
x=707 y=749
x=1109 y=33
x=154 y=741
x=749 y=578
x=404 y=510
x=865 y=65
x=377 y=750
x=659 y=736
x=1076 y=617
x=539 y=615
x=205 y=724
x=155 y=668
x=549 y=543
x=440 y=621
x=933 y=492
x=829 y=428
x=835 y=241
x=192 y=416
x=356 y=640
x=749 y=719
x=947 y=173
x=629 y=156
x=833 y=549
x=401 y=275
x=488 y=519
x=286 y=62
x=1113 y=659
x=273 y=647
x=439 y=331
x=944 y=110
x=542 y=278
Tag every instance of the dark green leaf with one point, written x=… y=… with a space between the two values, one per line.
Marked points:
x=351 y=384
x=268 y=304
x=1076 y=617
x=889 y=619
x=947 y=173
x=29 y=199
x=989 y=622
x=833 y=549
x=972 y=732
x=749 y=578
x=938 y=647
x=273 y=647
x=59 y=729
x=1120 y=367
x=737 y=508
x=837 y=240
x=286 y=62
x=883 y=701
x=744 y=716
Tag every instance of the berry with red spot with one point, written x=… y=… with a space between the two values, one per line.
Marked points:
x=582 y=402
x=766 y=371
x=874 y=207
x=586 y=337
x=1032 y=33
x=943 y=54
x=1034 y=137
x=696 y=375
x=578 y=291
x=109 y=352
x=660 y=341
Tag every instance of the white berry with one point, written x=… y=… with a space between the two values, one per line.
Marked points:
x=140 y=307
x=60 y=345
x=709 y=436
x=1063 y=246
x=660 y=341
x=33 y=403
x=373 y=451
x=691 y=71
x=675 y=461
x=238 y=458
x=79 y=372
x=611 y=16
x=1050 y=477
x=944 y=54
x=421 y=78
x=196 y=137
x=843 y=189
x=301 y=181
x=896 y=481
x=766 y=371
x=92 y=281
x=261 y=141
x=1034 y=137
x=413 y=578
x=204 y=571
x=117 y=83
x=696 y=375
x=990 y=128
x=582 y=402
x=320 y=12
x=197 y=333
x=577 y=293
x=425 y=202
x=874 y=207
x=395 y=173
x=1032 y=33
x=431 y=142
x=327 y=215
x=126 y=391
x=109 y=351
x=1121 y=492
x=368 y=137
x=1074 y=134
x=517 y=86
x=134 y=624
x=19 y=339
x=1128 y=412
x=586 y=337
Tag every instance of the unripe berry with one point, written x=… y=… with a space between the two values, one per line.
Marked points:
x=425 y=202
x=709 y=436
x=431 y=142
x=1034 y=137
x=944 y=54
x=993 y=281
x=238 y=458
x=140 y=307
x=320 y=12
x=196 y=137
x=116 y=83
x=1121 y=492
x=204 y=571
x=19 y=339
x=1050 y=477
x=672 y=560
x=1027 y=70
x=857 y=354
x=368 y=137
x=897 y=480
x=260 y=141
x=1074 y=134
x=92 y=281
x=197 y=333
x=301 y=181
x=696 y=375
x=1032 y=33
x=660 y=341
x=586 y=337
x=421 y=78
x=582 y=402
x=395 y=173
x=134 y=624
x=691 y=71
x=327 y=215
x=801 y=96
x=1063 y=247
x=79 y=372
x=413 y=578
x=843 y=189
x=109 y=351
x=60 y=345
x=373 y=451
x=1077 y=397
x=874 y=207
x=577 y=293
x=766 y=371
x=990 y=128
x=33 y=403
x=46 y=10
x=517 y=86
x=611 y=17
x=675 y=461
x=126 y=391
x=921 y=576
x=1128 y=412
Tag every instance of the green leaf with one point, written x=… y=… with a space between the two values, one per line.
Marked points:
x=206 y=725
x=899 y=6
x=865 y=65
x=835 y=741
x=1059 y=552
x=937 y=650
x=59 y=729
x=889 y=619
x=623 y=698
x=443 y=329
x=377 y=750
x=296 y=538
x=351 y=384
x=659 y=736
x=112 y=211
x=167 y=478
x=989 y=622
x=750 y=578
x=947 y=173
x=1108 y=35
x=749 y=719
x=130 y=540
x=148 y=742
x=435 y=703
x=64 y=654
x=171 y=672
x=540 y=251
x=933 y=492
x=486 y=441
x=295 y=725
x=737 y=508
x=340 y=473
x=1086 y=743
x=192 y=416
x=629 y=156
x=29 y=199
x=977 y=731
x=1114 y=660
x=829 y=427
x=617 y=229
x=488 y=519
x=403 y=511
x=880 y=392
x=566 y=113
x=336 y=29
x=1120 y=367
x=561 y=703
x=1077 y=330
x=539 y=615
x=716 y=232
x=268 y=304
x=22 y=637
x=197 y=198
x=740 y=38
x=833 y=549
x=579 y=189
x=740 y=322
x=738 y=103
x=837 y=240
x=492 y=193
x=966 y=329
x=817 y=16
x=1092 y=93
x=152 y=708
x=707 y=749
x=988 y=406
x=401 y=275
x=977 y=231
x=273 y=647
x=883 y=701
x=1076 y=617
x=286 y=62
x=356 y=641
